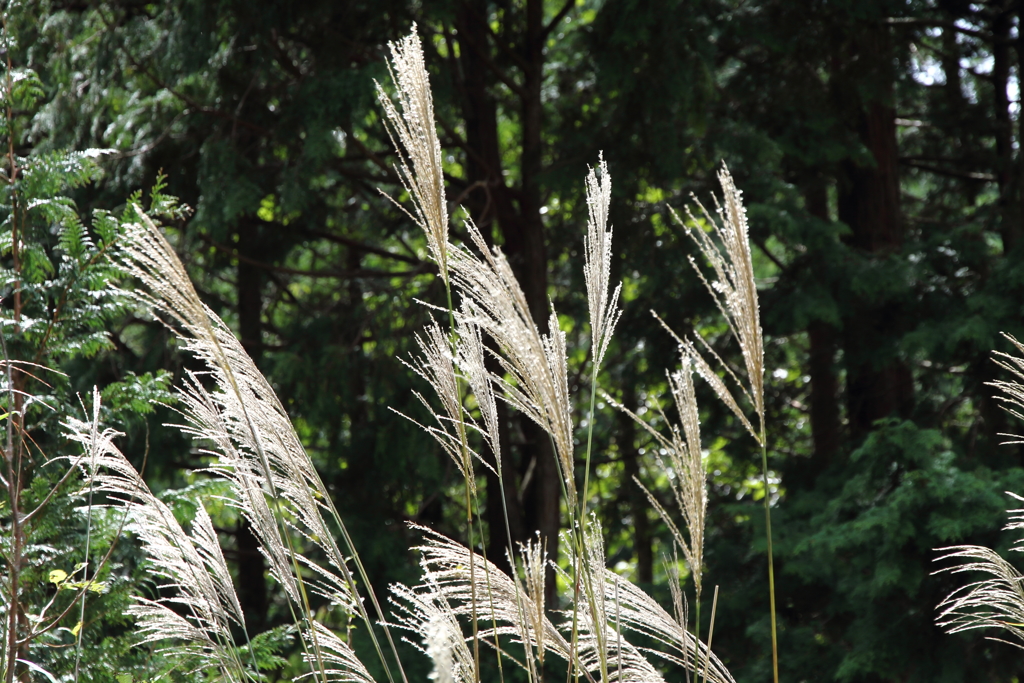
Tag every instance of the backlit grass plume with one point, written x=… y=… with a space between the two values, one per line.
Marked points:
x=726 y=248
x=689 y=484
x=437 y=366
x=604 y=312
x=414 y=136
x=535 y=370
x=199 y=612
x=993 y=602
x=275 y=484
x=735 y=293
x=234 y=413
x=998 y=600
x=506 y=610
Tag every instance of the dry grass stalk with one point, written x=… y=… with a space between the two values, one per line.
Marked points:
x=995 y=602
x=342 y=664
x=417 y=145
x=640 y=613
x=536 y=376
x=197 y=618
x=507 y=609
x=425 y=611
x=534 y=560
x=471 y=362
x=683 y=450
x=604 y=312
x=998 y=601
x=735 y=293
x=1011 y=393
x=277 y=488
x=598 y=617
x=437 y=366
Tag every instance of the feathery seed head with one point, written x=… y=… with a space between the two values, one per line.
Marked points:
x=534 y=377
x=604 y=313
x=683 y=450
x=735 y=293
x=437 y=366
x=410 y=126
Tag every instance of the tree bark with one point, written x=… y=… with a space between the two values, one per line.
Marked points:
x=516 y=212
x=252 y=583
x=823 y=338
x=878 y=384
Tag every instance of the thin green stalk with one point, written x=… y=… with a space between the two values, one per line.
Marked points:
x=590 y=441
x=771 y=567
x=711 y=632
x=85 y=568
x=469 y=503
x=472 y=584
x=581 y=555
x=696 y=635
x=490 y=596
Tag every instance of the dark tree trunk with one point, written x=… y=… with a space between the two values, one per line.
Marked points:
x=823 y=338
x=878 y=384
x=517 y=214
x=252 y=583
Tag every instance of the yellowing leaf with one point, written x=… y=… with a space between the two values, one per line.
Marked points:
x=57 y=576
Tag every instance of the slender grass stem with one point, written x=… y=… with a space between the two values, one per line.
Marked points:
x=490 y=597
x=590 y=442
x=711 y=632
x=696 y=635
x=771 y=567
x=85 y=568
x=468 y=465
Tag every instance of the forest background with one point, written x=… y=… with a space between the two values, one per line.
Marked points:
x=878 y=147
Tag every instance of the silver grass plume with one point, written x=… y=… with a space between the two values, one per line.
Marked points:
x=535 y=364
x=276 y=485
x=417 y=145
x=507 y=608
x=425 y=611
x=534 y=561
x=683 y=450
x=206 y=423
x=604 y=314
x=436 y=365
x=735 y=294
x=471 y=358
x=1012 y=392
x=600 y=647
x=997 y=601
x=191 y=568
x=640 y=613
x=440 y=652
x=341 y=663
